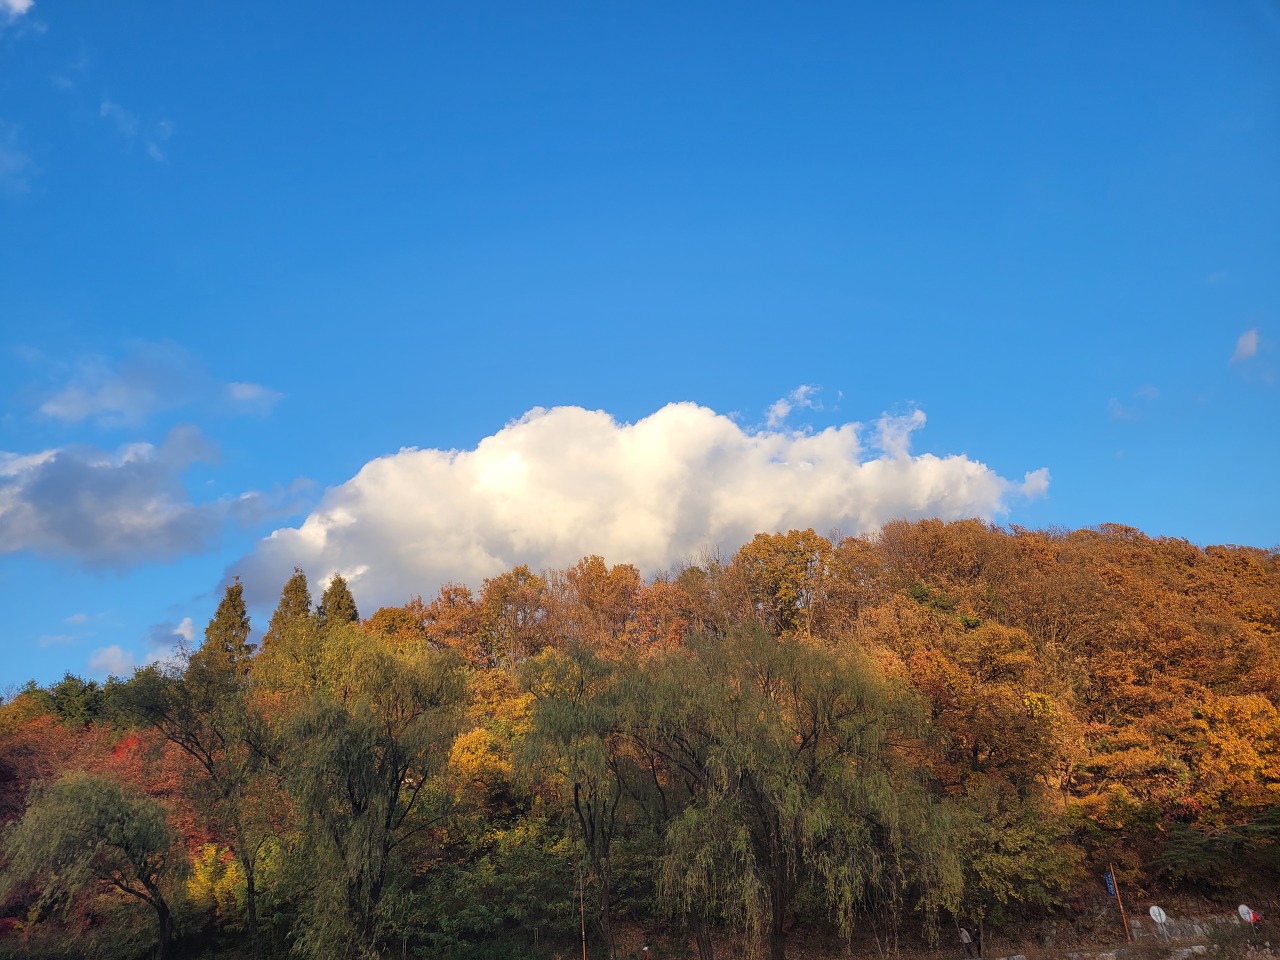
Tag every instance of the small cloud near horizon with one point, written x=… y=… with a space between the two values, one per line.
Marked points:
x=112 y=661
x=163 y=642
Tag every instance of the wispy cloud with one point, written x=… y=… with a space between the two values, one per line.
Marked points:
x=70 y=76
x=802 y=397
x=159 y=135
x=125 y=121
x=1246 y=346
x=558 y=484
x=12 y=9
x=154 y=377
x=16 y=166
x=130 y=126
x=1136 y=407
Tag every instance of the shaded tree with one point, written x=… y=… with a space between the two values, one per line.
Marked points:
x=84 y=832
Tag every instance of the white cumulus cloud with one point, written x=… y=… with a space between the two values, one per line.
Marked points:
x=559 y=484
x=15 y=8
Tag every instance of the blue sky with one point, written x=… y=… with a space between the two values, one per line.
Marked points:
x=417 y=292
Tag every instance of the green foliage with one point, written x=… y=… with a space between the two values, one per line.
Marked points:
x=516 y=888
x=75 y=701
x=785 y=749
x=1015 y=852
x=337 y=605
x=293 y=609
x=362 y=761
x=1224 y=857
x=83 y=833
x=227 y=635
x=571 y=746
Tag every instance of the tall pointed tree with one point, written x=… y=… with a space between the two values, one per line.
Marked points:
x=337 y=605
x=205 y=709
x=226 y=638
x=293 y=609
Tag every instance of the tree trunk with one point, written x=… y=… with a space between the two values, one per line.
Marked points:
x=166 y=927
x=250 y=900
x=605 y=907
x=778 y=901
x=702 y=935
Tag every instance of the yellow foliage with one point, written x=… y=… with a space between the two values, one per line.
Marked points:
x=216 y=881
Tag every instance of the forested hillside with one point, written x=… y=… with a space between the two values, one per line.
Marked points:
x=874 y=736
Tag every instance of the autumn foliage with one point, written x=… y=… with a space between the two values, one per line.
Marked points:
x=941 y=721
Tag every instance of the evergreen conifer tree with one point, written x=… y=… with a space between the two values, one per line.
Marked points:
x=227 y=635
x=337 y=606
x=294 y=608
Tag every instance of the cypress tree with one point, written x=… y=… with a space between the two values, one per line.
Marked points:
x=337 y=606
x=227 y=635
x=294 y=608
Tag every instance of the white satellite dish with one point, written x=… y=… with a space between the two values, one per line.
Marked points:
x=1158 y=915
x=1246 y=914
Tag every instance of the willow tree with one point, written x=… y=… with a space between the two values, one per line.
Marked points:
x=362 y=760
x=573 y=745
x=82 y=832
x=798 y=765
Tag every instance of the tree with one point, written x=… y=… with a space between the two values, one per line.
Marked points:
x=513 y=616
x=802 y=775
x=593 y=603
x=293 y=610
x=573 y=743
x=786 y=574
x=362 y=762
x=289 y=664
x=86 y=832
x=337 y=605
x=226 y=638
x=206 y=710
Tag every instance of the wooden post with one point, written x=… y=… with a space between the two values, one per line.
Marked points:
x=1115 y=883
x=582 y=905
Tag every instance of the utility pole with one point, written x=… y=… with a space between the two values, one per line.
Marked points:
x=1114 y=889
